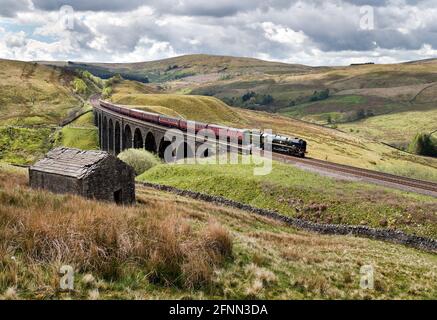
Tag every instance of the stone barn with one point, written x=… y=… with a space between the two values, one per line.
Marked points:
x=92 y=174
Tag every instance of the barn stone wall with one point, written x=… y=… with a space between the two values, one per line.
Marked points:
x=111 y=175
x=54 y=182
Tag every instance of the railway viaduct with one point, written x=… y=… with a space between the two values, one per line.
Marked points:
x=118 y=132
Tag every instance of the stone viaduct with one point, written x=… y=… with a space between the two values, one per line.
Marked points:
x=118 y=132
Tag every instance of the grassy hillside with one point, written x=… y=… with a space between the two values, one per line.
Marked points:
x=31 y=94
x=396 y=129
x=306 y=195
x=324 y=143
x=81 y=134
x=25 y=145
x=217 y=67
x=34 y=101
x=199 y=251
x=199 y=108
x=367 y=92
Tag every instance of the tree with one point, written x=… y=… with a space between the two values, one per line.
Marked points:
x=247 y=96
x=423 y=144
x=106 y=92
x=79 y=86
x=322 y=95
x=266 y=99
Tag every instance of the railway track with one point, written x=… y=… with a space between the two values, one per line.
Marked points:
x=427 y=186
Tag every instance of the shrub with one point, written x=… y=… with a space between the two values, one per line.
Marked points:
x=139 y=159
x=322 y=95
x=79 y=86
x=106 y=92
x=423 y=144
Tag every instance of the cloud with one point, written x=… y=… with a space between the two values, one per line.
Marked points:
x=16 y=40
x=9 y=8
x=88 y=5
x=313 y=32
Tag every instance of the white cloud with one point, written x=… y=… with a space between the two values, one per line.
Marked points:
x=14 y=40
x=312 y=32
x=283 y=34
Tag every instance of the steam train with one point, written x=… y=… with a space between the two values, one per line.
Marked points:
x=280 y=144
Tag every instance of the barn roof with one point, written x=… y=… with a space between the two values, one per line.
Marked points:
x=70 y=162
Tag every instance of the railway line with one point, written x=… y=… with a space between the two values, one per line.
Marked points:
x=420 y=186
x=280 y=144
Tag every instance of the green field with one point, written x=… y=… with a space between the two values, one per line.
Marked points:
x=396 y=129
x=298 y=193
x=31 y=94
x=34 y=101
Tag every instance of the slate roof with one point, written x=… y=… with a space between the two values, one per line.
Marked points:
x=70 y=162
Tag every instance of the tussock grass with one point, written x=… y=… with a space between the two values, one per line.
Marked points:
x=40 y=231
x=213 y=251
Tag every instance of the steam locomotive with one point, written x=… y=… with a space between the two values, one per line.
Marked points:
x=279 y=144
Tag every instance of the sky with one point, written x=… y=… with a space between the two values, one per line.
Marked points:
x=310 y=32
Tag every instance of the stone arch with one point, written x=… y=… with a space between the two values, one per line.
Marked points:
x=184 y=151
x=117 y=147
x=162 y=147
x=100 y=129
x=138 y=139
x=105 y=134
x=111 y=136
x=150 y=144
x=127 y=138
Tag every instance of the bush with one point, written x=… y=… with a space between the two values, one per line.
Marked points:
x=106 y=92
x=139 y=159
x=322 y=95
x=79 y=86
x=423 y=144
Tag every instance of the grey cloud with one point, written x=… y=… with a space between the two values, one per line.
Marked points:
x=232 y=27
x=88 y=5
x=9 y=8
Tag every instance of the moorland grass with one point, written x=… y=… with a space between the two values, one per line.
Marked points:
x=298 y=193
x=171 y=247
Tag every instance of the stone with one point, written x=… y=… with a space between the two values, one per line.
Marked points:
x=91 y=174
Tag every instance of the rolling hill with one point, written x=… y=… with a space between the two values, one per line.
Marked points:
x=370 y=101
x=185 y=67
x=324 y=143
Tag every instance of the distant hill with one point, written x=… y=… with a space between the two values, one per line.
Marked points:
x=185 y=66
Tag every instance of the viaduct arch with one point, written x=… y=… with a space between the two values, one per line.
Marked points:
x=119 y=132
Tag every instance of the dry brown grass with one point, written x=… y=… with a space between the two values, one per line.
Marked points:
x=40 y=231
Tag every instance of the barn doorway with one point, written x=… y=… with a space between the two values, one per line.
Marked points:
x=118 y=196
